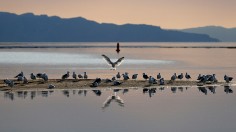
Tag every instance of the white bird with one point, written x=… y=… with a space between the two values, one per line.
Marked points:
x=113 y=64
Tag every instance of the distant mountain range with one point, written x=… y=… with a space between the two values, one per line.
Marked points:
x=221 y=33
x=42 y=28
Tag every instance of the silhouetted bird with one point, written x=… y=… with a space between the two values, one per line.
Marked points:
x=159 y=76
x=135 y=76
x=116 y=83
x=187 y=76
x=152 y=80
x=32 y=76
x=180 y=76
x=118 y=75
x=74 y=76
x=25 y=80
x=113 y=64
x=145 y=76
x=50 y=86
x=39 y=75
x=199 y=77
x=125 y=76
x=9 y=83
x=85 y=75
x=65 y=76
x=80 y=76
x=228 y=79
x=162 y=81
x=113 y=78
x=45 y=77
x=20 y=74
x=173 y=77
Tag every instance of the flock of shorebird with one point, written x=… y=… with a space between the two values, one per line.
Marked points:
x=116 y=79
x=158 y=80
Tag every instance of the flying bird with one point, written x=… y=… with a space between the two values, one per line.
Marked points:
x=113 y=64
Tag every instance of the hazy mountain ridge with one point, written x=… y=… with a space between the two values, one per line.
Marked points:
x=42 y=28
x=221 y=33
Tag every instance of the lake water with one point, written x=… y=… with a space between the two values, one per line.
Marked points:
x=152 y=58
x=168 y=109
x=205 y=109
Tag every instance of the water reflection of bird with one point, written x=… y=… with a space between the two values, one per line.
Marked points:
x=113 y=64
x=113 y=98
x=227 y=89
x=203 y=90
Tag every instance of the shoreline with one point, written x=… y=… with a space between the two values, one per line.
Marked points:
x=86 y=84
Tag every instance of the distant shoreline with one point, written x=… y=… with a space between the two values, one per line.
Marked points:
x=83 y=46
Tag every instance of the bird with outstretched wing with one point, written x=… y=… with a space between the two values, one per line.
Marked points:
x=113 y=64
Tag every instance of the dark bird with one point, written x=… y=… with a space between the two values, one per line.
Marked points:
x=116 y=83
x=135 y=76
x=113 y=64
x=39 y=75
x=85 y=75
x=45 y=77
x=228 y=79
x=187 y=76
x=65 y=76
x=32 y=76
x=20 y=74
x=145 y=76
x=159 y=76
x=118 y=75
x=125 y=76
x=25 y=80
x=50 y=86
x=80 y=76
x=180 y=76
x=74 y=76
x=162 y=81
x=173 y=77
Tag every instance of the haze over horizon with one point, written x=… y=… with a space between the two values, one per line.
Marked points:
x=168 y=14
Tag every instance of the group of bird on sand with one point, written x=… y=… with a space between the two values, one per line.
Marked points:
x=159 y=79
x=116 y=80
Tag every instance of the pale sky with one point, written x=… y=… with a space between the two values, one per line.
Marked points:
x=169 y=14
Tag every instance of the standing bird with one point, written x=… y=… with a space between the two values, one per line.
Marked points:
x=152 y=80
x=9 y=83
x=32 y=76
x=135 y=76
x=180 y=76
x=113 y=78
x=125 y=76
x=173 y=77
x=113 y=64
x=227 y=78
x=80 y=76
x=74 y=76
x=118 y=75
x=145 y=76
x=20 y=74
x=65 y=76
x=187 y=76
x=25 y=81
x=45 y=77
x=162 y=81
x=85 y=75
x=39 y=75
x=159 y=76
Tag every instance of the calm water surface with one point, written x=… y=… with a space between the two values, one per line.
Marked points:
x=205 y=109
x=139 y=58
x=172 y=109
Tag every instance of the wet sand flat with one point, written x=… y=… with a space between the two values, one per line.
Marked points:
x=87 y=83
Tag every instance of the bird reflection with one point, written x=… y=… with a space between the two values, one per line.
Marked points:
x=150 y=91
x=228 y=89
x=203 y=90
x=66 y=93
x=181 y=89
x=32 y=94
x=125 y=91
x=97 y=92
x=173 y=89
x=22 y=94
x=113 y=98
x=44 y=93
x=80 y=92
x=9 y=95
x=212 y=89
